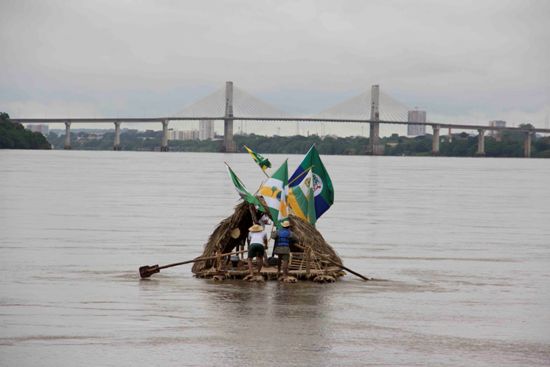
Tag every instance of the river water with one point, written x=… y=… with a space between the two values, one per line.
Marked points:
x=459 y=248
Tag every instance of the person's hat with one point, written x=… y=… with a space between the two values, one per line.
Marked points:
x=256 y=228
x=235 y=233
x=285 y=224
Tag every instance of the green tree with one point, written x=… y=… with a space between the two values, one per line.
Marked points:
x=15 y=136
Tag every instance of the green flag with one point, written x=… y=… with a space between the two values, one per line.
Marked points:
x=301 y=200
x=241 y=189
x=274 y=192
x=264 y=163
x=322 y=184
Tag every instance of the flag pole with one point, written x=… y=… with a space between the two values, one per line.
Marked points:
x=300 y=175
x=249 y=150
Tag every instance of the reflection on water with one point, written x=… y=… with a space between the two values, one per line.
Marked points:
x=266 y=320
x=459 y=248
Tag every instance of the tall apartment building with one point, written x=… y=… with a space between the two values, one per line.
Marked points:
x=416 y=116
x=496 y=123
x=172 y=134
x=190 y=135
x=44 y=129
x=206 y=129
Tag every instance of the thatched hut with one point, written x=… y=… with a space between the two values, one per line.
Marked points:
x=311 y=258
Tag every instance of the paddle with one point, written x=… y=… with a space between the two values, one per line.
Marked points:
x=146 y=271
x=334 y=263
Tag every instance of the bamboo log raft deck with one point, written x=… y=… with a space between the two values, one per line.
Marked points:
x=311 y=259
x=299 y=267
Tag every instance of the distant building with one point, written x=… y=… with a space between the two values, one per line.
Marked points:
x=416 y=116
x=206 y=129
x=183 y=134
x=44 y=129
x=190 y=135
x=496 y=123
x=496 y=133
x=172 y=134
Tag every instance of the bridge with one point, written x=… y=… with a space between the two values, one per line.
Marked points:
x=234 y=104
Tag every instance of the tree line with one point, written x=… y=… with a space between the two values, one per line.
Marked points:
x=15 y=136
x=510 y=144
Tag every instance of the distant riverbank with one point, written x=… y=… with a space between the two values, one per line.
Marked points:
x=15 y=136
x=509 y=144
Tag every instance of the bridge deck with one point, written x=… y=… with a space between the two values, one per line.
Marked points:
x=460 y=126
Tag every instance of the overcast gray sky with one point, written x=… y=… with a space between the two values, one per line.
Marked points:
x=464 y=61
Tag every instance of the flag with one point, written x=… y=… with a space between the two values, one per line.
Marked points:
x=274 y=191
x=301 y=199
x=241 y=189
x=322 y=185
x=264 y=163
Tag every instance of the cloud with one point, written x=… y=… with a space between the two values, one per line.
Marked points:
x=57 y=108
x=117 y=57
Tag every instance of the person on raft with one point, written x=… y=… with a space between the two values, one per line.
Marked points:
x=283 y=239
x=257 y=246
x=265 y=221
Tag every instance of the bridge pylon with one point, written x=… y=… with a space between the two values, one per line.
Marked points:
x=228 y=142
x=116 y=144
x=435 y=139
x=480 y=143
x=67 y=144
x=164 y=139
x=374 y=147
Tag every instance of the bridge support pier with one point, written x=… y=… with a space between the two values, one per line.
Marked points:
x=481 y=142
x=374 y=147
x=67 y=144
x=527 y=145
x=228 y=142
x=450 y=136
x=164 y=141
x=435 y=140
x=116 y=145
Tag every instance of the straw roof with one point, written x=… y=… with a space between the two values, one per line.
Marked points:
x=221 y=240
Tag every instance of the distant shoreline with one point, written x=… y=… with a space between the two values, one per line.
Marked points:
x=509 y=145
x=15 y=136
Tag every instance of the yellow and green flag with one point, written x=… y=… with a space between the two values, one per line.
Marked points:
x=274 y=192
x=323 y=191
x=301 y=199
x=264 y=163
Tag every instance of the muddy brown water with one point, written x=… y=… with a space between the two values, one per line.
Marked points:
x=460 y=249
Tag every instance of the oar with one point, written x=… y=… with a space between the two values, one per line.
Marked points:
x=146 y=271
x=334 y=263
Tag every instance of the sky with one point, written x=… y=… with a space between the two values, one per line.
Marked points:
x=462 y=61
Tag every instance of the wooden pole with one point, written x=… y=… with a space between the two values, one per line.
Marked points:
x=333 y=262
x=308 y=261
x=146 y=271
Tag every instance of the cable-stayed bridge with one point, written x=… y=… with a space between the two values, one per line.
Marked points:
x=243 y=104
x=232 y=104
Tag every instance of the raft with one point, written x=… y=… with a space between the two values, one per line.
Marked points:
x=312 y=258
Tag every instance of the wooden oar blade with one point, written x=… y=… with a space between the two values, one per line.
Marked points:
x=146 y=271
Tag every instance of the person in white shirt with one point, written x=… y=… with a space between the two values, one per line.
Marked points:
x=257 y=246
x=265 y=222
